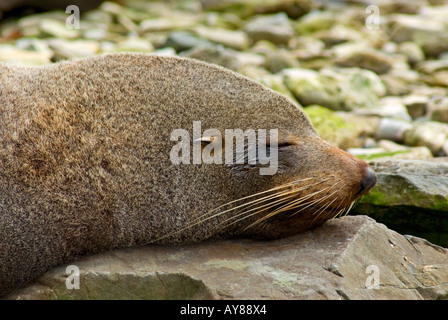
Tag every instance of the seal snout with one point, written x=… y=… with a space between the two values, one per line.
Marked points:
x=368 y=181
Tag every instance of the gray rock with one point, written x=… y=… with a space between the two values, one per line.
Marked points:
x=278 y=60
x=12 y=55
x=438 y=110
x=342 y=129
x=431 y=134
x=134 y=44
x=338 y=34
x=316 y=20
x=388 y=150
x=431 y=66
x=58 y=29
x=430 y=35
x=413 y=52
x=275 y=82
x=410 y=197
x=184 y=40
x=293 y=8
x=417 y=183
x=228 y=58
x=389 y=106
x=417 y=105
x=334 y=262
x=391 y=6
x=366 y=58
x=337 y=89
x=392 y=129
x=234 y=39
x=71 y=49
x=171 y=23
x=275 y=28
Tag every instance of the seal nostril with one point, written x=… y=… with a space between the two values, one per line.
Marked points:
x=368 y=181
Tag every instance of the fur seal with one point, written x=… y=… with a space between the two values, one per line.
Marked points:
x=85 y=165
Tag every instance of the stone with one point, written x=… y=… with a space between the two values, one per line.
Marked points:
x=389 y=150
x=431 y=66
x=389 y=106
x=395 y=85
x=437 y=79
x=234 y=39
x=244 y=8
x=332 y=262
x=341 y=129
x=275 y=28
x=71 y=49
x=228 y=58
x=394 y=6
x=366 y=58
x=338 y=34
x=410 y=197
x=134 y=44
x=438 y=110
x=183 y=22
x=58 y=29
x=417 y=105
x=413 y=52
x=316 y=20
x=275 y=82
x=280 y=59
x=184 y=40
x=430 y=35
x=431 y=134
x=392 y=129
x=335 y=88
x=12 y=55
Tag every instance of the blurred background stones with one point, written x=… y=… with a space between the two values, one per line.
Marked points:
x=376 y=86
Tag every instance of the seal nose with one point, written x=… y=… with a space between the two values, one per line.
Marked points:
x=368 y=181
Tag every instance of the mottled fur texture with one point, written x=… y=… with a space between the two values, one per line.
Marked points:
x=85 y=167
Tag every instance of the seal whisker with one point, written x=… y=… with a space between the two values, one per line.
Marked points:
x=265 y=206
x=297 y=204
x=340 y=207
x=288 y=206
x=281 y=194
x=270 y=205
x=320 y=211
x=253 y=195
x=350 y=207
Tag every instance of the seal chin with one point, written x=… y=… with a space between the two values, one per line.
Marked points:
x=368 y=182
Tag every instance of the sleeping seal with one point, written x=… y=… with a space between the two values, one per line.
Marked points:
x=86 y=161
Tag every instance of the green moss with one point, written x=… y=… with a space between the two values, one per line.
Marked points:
x=331 y=127
x=369 y=157
x=396 y=190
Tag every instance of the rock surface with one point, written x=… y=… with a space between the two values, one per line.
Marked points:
x=411 y=196
x=346 y=258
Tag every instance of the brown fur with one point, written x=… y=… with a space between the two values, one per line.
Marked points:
x=84 y=159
